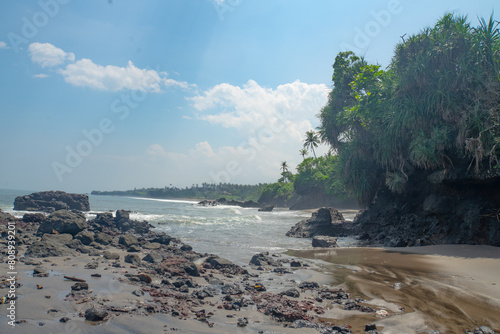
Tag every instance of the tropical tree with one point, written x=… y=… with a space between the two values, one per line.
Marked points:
x=284 y=166
x=303 y=152
x=436 y=106
x=311 y=141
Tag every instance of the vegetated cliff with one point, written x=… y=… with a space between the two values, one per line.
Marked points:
x=449 y=206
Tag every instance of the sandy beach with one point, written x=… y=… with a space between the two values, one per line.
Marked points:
x=450 y=288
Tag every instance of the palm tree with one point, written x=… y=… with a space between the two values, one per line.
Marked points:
x=311 y=141
x=303 y=152
x=284 y=166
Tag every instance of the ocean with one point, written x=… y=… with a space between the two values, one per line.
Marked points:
x=231 y=232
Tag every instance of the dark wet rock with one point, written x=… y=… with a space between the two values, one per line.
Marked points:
x=40 y=272
x=138 y=293
x=80 y=286
x=64 y=319
x=133 y=259
x=111 y=256
x=231 y=289
x=262 y=259
x=50 y=201
x=103 y=220
x=95 y=314
x=186 y=248
x=308 y=285
x=57 y=238
x=294 y=293
x=63 y=221
x=153 y=258
x=163 y=239
x=483 y=330
x=204 y=293
x=173 y=266
x=191 y=269
x=214 y=281
x=128 y=240
x=146 y=278
x=325 y=221
x=324 y=241
x=86 y=237
x=281 y=271
x=225 y=266
x=103 y=238
x=33 y=217
x=268 y=208
x=30 y=262
x=242 y=322
x=295 y=264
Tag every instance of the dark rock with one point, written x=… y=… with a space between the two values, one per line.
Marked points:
x=40 y=272
x=80 y=286
x=153 y=258
x=46 y=249
x=133 y=259
x=103 y=238
x=191 y=269
x=151 y=245
x=111 y=256
x=324 y=241
x=63 y=221
x=50 y=201
x=242 y=322
x=33 y=217
x=163 y=239
x=325 y=221
x=268 y=208
x=64 y=319
x=295 y=264
x=370 y=327
x=262 y=259
x=294 y=293
x=225 y=266
x=186 y=248
x=309 y=285
x=483 y=330
x=134 y=249
x=104 y=220
x=4 y=216
x=57 y=238
x=204 y=293
x=128 y=240
x=86 y=237
x=231 y=289
x=92 y=265
x=122 y=215
x=95 y=314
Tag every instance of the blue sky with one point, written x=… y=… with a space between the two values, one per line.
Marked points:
x=102 y=95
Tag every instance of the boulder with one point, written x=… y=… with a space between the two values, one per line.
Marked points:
x=86 y=237
x=325 y=221
x=63 y=221
x=268 y=208
x=153 y=258
x=103 y=238
x=324 y=241
x=46 y=249
x=262 y=259
x=128 y=240
x=50 y=201
x=133 y=259
x=225 y=266
x=95 y=314
x=33 y=217
x=4 y=216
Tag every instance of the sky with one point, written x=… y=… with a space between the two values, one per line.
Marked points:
x=122 y=94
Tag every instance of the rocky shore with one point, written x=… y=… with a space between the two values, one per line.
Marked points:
x=112 y=267
x=112 y=274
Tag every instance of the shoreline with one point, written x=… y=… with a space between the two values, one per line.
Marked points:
x=450 y=288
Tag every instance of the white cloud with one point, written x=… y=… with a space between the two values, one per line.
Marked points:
x=3 y=45
x=85 y=73
x=47 y=55
x=40 y=76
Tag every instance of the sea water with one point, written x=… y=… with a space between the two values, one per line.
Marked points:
x=228 y=231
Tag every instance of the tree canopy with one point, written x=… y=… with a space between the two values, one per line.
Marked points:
x=437 y=105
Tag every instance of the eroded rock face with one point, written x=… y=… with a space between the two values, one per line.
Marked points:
x=50 y=201
x=324 y=241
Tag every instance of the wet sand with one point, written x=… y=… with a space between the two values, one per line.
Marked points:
x=450 y=288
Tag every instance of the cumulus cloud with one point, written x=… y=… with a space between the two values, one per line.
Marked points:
x=47 y=55
x=253 y=108
x=3 y=45
x=85 y=73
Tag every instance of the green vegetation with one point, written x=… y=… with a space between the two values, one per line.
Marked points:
x=206 y=191
x=436 y=106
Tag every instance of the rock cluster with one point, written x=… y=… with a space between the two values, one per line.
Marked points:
x=50 y=201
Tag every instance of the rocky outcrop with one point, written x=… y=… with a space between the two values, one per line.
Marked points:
x=223 y=201
x=325 y=221
x=441 y=207
x=50 y=201
x=63 y=221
